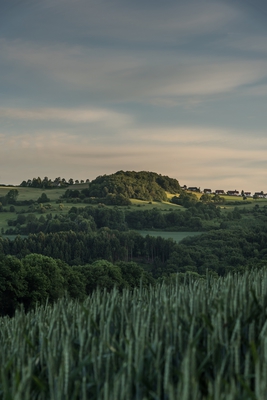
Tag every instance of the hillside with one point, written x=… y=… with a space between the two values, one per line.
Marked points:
x=134 y=185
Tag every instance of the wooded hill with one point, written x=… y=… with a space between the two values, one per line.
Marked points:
x=141 y=185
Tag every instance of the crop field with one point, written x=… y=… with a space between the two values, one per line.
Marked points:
x=191 y=340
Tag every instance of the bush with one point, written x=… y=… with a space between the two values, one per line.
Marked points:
x=43 y=199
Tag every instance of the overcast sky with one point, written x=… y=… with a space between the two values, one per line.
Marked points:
x=176 y=87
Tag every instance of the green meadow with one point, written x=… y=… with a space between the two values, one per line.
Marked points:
x=27 y=193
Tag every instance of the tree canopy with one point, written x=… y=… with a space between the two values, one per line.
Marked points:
x=137 y=185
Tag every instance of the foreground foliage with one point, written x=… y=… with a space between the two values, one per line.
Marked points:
x=198 y=339
x=36 y=279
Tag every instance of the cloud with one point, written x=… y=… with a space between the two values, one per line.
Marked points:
x=199 y=137
x=120 y=76
x=124 y=21
x=157 y=24
x=256 y=90
x=74 y=116
x=249 y=43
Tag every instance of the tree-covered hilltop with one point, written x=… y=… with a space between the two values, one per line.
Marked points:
x=116 y=188
x=141 y=185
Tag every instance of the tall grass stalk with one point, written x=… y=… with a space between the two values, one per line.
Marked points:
x=201 y=339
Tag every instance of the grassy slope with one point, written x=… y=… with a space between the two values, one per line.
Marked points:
x=32 y=193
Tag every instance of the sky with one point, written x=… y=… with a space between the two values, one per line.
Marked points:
x=90 y=87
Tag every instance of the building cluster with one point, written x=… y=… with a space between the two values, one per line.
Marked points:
x=223 y=192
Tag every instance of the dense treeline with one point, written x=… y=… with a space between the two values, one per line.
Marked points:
x=47 y=183
x=194 y=218
x=36 y=279
x=80 y=248
x=111 y=199
x=220 y=250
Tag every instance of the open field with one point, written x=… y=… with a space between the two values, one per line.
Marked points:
x=161 y=205
x=170 y=195
x=27 y=193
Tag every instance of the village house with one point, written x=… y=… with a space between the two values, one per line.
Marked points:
x=233 y=193
x=261 y=195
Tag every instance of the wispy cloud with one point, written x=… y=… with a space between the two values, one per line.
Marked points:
x=249 y=43
x=121 y=77
x=126 y=21
x=157 y=24
x=76 y=116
